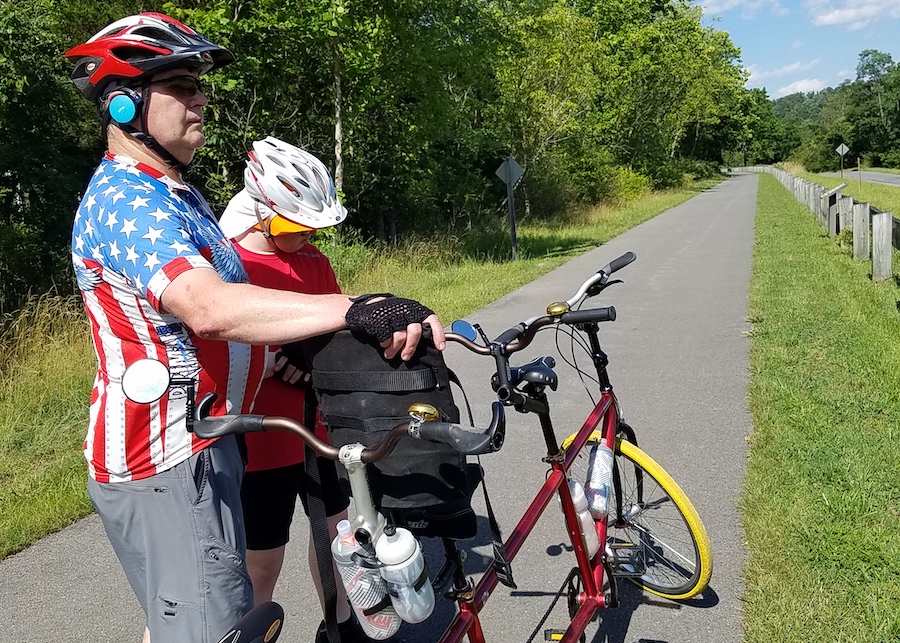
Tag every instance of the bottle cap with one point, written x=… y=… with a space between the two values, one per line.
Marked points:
x=343 y=528
x=395 y=548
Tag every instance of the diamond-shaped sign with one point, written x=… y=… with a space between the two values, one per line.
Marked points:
x=842 y=149
x=510 y=171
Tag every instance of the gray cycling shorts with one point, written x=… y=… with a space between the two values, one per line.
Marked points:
x=179 y=536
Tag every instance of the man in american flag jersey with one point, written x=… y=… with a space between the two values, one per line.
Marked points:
x=160 y=281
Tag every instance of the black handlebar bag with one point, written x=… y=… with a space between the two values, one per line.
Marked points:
x=424 y=485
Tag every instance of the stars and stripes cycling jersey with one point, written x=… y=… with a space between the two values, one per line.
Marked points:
x=135 y=231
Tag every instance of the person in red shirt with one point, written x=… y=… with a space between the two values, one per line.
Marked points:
x=274 y=246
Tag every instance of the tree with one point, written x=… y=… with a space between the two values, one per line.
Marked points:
x=667 y=75
x=872 y=109
x=48 y=146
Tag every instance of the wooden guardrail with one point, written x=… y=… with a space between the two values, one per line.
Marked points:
x=875 y=233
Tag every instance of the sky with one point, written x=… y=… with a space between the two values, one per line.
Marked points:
x=805 y=45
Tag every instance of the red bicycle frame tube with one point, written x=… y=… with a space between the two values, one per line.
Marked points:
x=592 y=599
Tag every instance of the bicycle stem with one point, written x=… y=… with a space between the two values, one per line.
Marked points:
x=367 y=518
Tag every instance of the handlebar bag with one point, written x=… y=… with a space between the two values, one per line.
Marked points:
x=425 y=485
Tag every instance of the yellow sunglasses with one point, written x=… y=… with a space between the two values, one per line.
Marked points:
x=278 y=225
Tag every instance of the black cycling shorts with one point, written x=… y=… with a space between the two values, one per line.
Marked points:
x=269 y=498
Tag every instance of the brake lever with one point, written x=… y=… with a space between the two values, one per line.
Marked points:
x=599 y=287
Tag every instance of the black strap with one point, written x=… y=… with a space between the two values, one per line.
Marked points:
x=418 y=584
x=422 y=379
x=377 y=607
x=318 y=525
x=367 y=425
x=454 y=379
x=501 y=563
x=377 y=424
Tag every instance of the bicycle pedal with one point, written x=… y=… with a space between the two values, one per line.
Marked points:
x=554 y=635
x=627 y=559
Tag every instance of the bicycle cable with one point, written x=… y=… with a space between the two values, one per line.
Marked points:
x=576 y=339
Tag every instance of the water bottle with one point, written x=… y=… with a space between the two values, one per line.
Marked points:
x=365 y=587
x=403 y=569
x=588 y=529
x=599 y=479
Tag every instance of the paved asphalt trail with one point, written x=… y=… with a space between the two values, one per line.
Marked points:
x=679 y=363
x=871 y=177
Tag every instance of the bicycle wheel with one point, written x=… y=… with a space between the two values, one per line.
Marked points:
x=656 y=539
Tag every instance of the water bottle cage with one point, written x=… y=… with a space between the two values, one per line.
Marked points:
x=419 y=584
x=366 y=562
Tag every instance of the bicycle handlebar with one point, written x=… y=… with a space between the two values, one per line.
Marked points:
x=521 y=335
x=468 y=440
x=465 y=440
x=598 y=280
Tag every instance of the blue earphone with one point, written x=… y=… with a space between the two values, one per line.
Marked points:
x=124 y=106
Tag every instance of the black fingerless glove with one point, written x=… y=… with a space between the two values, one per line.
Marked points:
x=382 y=319
x=296 y=357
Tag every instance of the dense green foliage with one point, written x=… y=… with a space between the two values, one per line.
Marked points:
x=413 y=103
x=863 y=114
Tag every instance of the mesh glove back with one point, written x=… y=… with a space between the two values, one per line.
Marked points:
x=381 y=319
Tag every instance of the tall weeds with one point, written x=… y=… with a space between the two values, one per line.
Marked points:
x=46 y=368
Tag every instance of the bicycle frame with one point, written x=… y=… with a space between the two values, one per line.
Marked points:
x=591 y=571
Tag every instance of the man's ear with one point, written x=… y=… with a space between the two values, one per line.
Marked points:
x=123 y=105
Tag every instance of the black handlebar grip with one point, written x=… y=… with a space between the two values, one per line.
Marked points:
x=509 y=335
x=591 y=315
x=215 y=426
x=469 y=440
x=465 y=440
x=262 y=624
x=621 y=262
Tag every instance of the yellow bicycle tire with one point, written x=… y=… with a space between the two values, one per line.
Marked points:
x=626 y=452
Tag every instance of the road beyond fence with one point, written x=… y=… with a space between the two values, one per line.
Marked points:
x=679 y=362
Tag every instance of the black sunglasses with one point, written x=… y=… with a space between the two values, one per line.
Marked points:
x=183 y=86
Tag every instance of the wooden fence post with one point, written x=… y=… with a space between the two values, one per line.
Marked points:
x=845 y=212
x=830 y=200
x=882 y=230
x=861 y=230
x=823 y=202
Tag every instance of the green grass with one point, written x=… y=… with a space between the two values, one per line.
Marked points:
x=46 y=370
x=47 y=364
x=822 y=499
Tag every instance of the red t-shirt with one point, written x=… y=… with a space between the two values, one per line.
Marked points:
x=306 y=271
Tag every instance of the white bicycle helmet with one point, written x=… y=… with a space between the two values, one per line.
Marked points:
x=294 y=183
x=281 y=179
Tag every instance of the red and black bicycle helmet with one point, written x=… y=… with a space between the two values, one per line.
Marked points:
x=137 y=47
